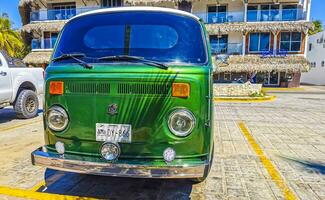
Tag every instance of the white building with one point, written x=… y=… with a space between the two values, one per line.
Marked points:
x=316 y=58
x=261 y=40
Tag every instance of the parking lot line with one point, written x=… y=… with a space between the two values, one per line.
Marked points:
x=37 y=195
x=267 y=163
x=19 y=125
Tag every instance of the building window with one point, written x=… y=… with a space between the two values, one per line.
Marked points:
x=290 y=41
x=310 y=46
x=312 y=64
x=323 y=64
x=50 y=39
x=259 y=42
x=252 y=13
x=289 y=12
x=219 y=43
x=62 y=11
x=111 y=3
x=270 y=13
x=217 y=14
x=227 y=76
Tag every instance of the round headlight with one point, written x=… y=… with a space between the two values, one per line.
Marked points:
x=110 y=151
x=57 y=118
x=181 y=122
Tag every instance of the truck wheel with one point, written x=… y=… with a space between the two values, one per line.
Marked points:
x=26 y=105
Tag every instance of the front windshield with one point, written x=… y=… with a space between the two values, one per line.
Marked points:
x=157 y=36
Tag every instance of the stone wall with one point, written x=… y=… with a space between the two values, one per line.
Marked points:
x=236 y=90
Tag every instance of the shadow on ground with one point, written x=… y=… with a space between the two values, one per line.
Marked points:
x=8 y=114
x=67 y=183
x=313 y=167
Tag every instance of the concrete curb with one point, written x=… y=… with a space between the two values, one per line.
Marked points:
x=244 y=99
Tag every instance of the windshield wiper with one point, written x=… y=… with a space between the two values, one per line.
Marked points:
x=134 y=58
x=74 y=56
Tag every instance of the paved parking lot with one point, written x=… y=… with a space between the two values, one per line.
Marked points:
x=271 y=150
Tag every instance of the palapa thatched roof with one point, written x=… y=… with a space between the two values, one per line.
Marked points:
x=55 y=26
x=24 y=8
x=256 y=63
x=38 y=57
x=300 y=26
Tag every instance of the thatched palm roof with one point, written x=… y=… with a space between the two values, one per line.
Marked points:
x=300 y=26
x=255 y=63
x=38 y=57
x=55 y=26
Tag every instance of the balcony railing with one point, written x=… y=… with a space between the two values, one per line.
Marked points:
x=59 y=14
x=46 y=44
x=227 y=48
x=221 y=17
x=275 y=15
x=207 y=17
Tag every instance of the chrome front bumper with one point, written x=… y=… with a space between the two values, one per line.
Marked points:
x=54 y=161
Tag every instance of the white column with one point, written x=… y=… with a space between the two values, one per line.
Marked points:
x=245 y=12
x=308 y=10
x=306 y=44
x=42 y=40
x=244 y=44
x=275 y=42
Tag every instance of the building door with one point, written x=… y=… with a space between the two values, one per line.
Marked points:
x=268 y=79
x=274 y=78
x=185 y=6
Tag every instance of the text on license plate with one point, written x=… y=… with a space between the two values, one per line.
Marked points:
x=113 y=132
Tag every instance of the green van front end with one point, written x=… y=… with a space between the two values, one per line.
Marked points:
x=144 y=111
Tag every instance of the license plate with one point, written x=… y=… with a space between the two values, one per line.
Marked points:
x=113 y=132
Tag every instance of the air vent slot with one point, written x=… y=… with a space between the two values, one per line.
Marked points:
x=81 y=87
x=144 y=88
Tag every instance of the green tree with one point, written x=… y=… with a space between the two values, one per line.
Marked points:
x=318 y=27
x=10 y=40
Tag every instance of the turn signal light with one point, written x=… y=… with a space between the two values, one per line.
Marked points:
x=181 y=90
x=56 y=87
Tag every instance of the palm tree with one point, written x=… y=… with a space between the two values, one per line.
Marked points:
x=317 y=27
x=10 y=40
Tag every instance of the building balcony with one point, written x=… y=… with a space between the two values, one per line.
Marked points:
x=226 y=48
x=59 y=14
x=221 y=17
x=275 y=15
x=45 y=44
x=253 y=16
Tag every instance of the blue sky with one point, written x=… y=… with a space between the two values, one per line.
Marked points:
x=11 y=7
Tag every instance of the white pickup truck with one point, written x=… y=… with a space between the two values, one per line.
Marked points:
x=20 y=86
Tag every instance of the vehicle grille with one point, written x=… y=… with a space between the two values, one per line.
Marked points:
x=82 y=87
x=144 y=88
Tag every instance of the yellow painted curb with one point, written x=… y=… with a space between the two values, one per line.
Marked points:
x=282 y=89
x=244 y=99
x=37 y=195
x=37 y=186
x=19 y=125
x=268 y=165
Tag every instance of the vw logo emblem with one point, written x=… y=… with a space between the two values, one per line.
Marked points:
x=112 y=109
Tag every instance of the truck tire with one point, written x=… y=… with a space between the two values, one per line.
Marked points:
x=26 y=104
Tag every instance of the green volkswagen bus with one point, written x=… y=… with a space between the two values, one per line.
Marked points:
x=129 y=94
